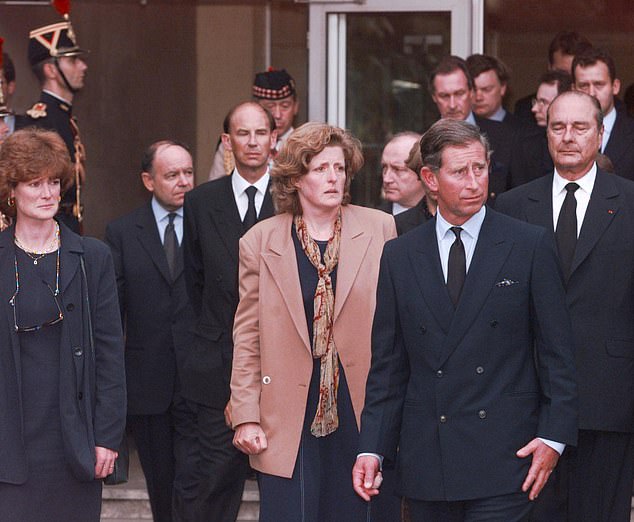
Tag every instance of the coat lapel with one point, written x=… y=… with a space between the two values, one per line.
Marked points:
x=148 y=236
x=353 y=247
x=425 y=265
x=492 y=250
x=7 y=281
x=603 y=206
x=281 y=261
x=71 y=250
x=539 y=209
x=226 y=218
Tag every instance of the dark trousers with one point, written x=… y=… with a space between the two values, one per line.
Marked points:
x=210 y=471
x=152 y=435
x=504 y=508
x=592 y=482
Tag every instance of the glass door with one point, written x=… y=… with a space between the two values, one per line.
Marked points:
x=369 y=64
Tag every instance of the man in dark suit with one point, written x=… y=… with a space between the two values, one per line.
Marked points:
x=452 y=90
x=158 y=321
x=594 y=73
x=472 y=375
x=217 y=214
x=594 y=481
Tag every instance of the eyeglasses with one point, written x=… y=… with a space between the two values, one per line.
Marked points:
x=60 y=315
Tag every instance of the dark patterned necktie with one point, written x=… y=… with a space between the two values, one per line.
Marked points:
x=170 y=244
x=566 y=233
x=250 y=218
x=456 y=267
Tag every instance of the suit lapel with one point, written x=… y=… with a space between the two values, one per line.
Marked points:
x=7 y=281
x=148 y=236
x=425 y=265
x=267 y=209
x=603 y=206
x=492 y=250
x=539 y=209
x=281 y=261
x=226 y=218
x=353 y=247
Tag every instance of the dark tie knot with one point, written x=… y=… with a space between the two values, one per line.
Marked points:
x=572 y=187
x=251 y=191
x=171 y=216
x=456 y=231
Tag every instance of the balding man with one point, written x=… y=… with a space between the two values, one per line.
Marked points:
x=402 y=187
x=217 y=214
x=591 y=214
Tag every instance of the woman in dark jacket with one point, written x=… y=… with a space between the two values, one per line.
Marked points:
x=62 y=382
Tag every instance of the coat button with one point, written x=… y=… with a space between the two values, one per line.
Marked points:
x=439 y=374
x=479 y=370
x=77 y=351
x=266 y=380
x=70 y=307
x=493 y=323
x=80 y=395
x=443 y=418
x=423 y=329
x=482 y=414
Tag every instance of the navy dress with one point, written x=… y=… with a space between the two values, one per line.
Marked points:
x=320 y=489
x=51 y=492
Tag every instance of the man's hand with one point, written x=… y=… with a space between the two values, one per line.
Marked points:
x=250 y=438
x=366 y=477
x=104 y=464
x=544 y=461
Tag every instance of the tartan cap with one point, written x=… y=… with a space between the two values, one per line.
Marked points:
x=273 y=84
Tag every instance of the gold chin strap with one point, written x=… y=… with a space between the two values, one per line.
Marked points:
x=80 y=171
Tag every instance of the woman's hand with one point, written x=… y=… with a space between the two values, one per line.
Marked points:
x=104 y=464
x=250 y=438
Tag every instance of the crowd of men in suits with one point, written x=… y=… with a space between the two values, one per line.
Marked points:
x=535 y=338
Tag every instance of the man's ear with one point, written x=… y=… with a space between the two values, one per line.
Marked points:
x=429 y=178
x=226 y=141
x=148 y=181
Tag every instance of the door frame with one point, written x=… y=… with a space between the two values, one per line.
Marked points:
x=327 y=45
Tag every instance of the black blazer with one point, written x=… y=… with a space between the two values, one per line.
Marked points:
x=600 y=295
x=212 y=231
x=412 y=217
x=92 y=386
x=157 y=316
x=620 y=147
x=459 y=392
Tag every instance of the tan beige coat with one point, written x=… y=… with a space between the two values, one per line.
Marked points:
x=272 y=361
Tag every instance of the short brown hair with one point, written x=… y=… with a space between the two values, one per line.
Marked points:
x=296 y=154
x=481 y=63
x=449 y=65
x=29 y=154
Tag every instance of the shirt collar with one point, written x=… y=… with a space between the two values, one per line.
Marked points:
x=472 y=226
x=470 y=119
x=57 y=97
x=240 y=184
x=608 y=121
x=160 y=213
x=499 y=115
x=586 y=182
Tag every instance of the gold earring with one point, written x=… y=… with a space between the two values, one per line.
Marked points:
x=59 y=199
x=10 y=201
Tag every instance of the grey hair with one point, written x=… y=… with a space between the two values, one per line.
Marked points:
x=449 y=133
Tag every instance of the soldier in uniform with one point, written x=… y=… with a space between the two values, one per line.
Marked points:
x=57 y=62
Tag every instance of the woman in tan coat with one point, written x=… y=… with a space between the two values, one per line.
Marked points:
x=302 y=331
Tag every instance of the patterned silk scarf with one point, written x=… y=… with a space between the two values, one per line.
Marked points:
x=326 y=419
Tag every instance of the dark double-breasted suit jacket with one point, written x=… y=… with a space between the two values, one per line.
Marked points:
x=599 y=293
x=459 y=391
x=213 y=229
x=157 y=316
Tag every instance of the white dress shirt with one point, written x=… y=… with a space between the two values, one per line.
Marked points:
x=240 y=185
x=608 y=124
x=582 y=195
x=162 y=219
x=498 y=115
